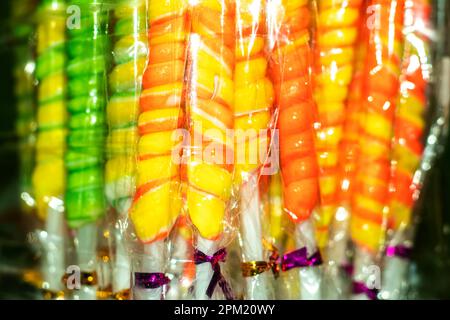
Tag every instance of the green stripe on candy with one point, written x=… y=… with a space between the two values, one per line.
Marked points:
x=51 y=61
x=79 y=47
x=88 y=85
x=83 y=65
x=80 y=104
x=130 y=35
x=87 y=70
x=126 y=27
x=78 y=160
x=87 y=121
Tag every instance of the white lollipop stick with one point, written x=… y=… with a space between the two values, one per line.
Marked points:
x=394 y=278
x=122 y=269
x=54 y=239
x=256 y=286
x=86 y=248
x=204 y=271
x=310 y=277
x=153 y=260
x=366 y=272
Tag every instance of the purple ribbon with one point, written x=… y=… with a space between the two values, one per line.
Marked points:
x=217 y=278
x=361 y=288
x=150 y=280
x=400 y=251
x=299 y=258
x=348 y=268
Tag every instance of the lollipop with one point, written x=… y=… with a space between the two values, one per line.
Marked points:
x=348 y=153
x=49 y=175
x=290 y=65
x=410 y=115
x=87 y=70
x=210 y=110
x=130 y=56
x=157 y=202
x=408 y=144
x=51 y=115
x=253 y=103
x=337 y=30
x=370 y=200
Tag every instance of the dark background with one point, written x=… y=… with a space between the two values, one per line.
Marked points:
x=430 y=276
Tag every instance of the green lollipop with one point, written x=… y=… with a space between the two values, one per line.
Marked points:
x=87 y=70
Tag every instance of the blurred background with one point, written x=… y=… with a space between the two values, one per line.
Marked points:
x=429 y=276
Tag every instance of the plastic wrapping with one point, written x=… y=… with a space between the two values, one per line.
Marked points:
x=336 y=36
x=349 y=150
x=209 y=153
x=289 y=43
x=254 y=97
x=337 y=251
x=166 y=128
x=413 y=151
x=157 y=202
x=89 y=59
x=370 y=203
x=49 y=178
x=130 y=51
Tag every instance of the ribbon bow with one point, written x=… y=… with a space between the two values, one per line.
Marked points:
x=400 y=251
x=348 y=268
x=217 y=278
x=150 y=280
x=253 y=268
x=361 y=288
x=299 y=258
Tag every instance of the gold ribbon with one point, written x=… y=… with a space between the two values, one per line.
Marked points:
x=107 y=294
x=122 y=295
x=86 y=278
x=52 y=295
x=253 y=268
x=103 y=255
x=34 y=278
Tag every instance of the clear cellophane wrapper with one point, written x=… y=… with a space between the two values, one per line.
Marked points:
x=149 y=183
x=339 y=53
x=424 y=95
x=129 y=47
x=255 y=149
x=393 y=128
x=209 y=166
x=290 y=31
x=48 y=173
x=87 y=24
x=166 y=73
x=379 y=103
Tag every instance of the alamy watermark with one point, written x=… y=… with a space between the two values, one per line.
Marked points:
x=258 y=148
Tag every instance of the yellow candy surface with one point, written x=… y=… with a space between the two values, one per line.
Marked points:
x=206 y=212
x=155 y=211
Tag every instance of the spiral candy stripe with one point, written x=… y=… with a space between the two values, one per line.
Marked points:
x=87 y=72
x=369 y=204
x=253 y=89
x=410 y=121
x=210 y=113
x=290 y=72
x=157 y=202
x=49 y=174
x=125 y=81
x=337 y=30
